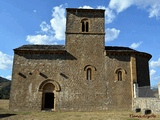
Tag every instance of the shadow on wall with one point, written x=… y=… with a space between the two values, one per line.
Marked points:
x=49 y=56
x=119 y=57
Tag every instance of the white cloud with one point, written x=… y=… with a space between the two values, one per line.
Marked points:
x=40 y=39
x=154 y=11
x=109 y=15
x=111 y=34
x=45 y=27
x=51 y=32
x=135 y=45
x=155 y=64
x=58 y=22
x=152 y=72
x=151 y=6
x=86 y=7
x=156 y=78
x=120 y=5
x=55 y=43
x=5 y=61
x=8 y=77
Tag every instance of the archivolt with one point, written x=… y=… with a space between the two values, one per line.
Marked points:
x=56 y=84
x=120 y=69
x=89 y=66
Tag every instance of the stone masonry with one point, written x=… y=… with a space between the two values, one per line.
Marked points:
x=82 y=75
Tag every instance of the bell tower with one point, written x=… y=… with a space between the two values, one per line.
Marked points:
x=85 y=32
x=85 y=41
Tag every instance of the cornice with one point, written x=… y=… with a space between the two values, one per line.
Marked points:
x=39 y=52
x=87 y=33
x=129 y=53
x=84 y=10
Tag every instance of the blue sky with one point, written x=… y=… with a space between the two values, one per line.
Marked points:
x=130 y=23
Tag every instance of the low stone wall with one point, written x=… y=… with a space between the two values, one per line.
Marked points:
x=147 y=103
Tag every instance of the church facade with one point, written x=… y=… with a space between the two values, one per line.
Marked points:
x=82 y=75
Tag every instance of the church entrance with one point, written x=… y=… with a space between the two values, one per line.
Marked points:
x=48 y=98
x=49 y=101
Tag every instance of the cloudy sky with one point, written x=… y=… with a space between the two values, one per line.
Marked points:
x=130 y=23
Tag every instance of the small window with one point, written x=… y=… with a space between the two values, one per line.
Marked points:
x=85 y=25
x=89 y=74
x=119 y=75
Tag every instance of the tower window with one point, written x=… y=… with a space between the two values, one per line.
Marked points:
x=89 y=74
x=119 y=75
x=85 y=25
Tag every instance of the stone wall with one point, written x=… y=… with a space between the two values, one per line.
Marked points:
x=119 y=92
x=29 y=71
x=147 y=103
x=75 y=17
x=88 y=49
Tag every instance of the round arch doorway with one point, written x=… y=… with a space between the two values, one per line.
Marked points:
x=48 y=97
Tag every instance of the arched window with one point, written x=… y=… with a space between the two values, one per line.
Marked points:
x=119 y=75
x=89 y=74
x=85 y=25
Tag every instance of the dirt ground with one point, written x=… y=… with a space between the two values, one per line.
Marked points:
x=6 y=114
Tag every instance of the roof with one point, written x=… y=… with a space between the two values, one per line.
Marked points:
x=41 y=47
x=61 y=49
x=118 y=48
x=124 y=50
x=84 y=10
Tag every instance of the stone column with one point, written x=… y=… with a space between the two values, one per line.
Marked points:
x=133 y=76
x=133 y=68
x=135 y=87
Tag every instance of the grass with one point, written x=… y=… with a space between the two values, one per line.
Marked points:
x=6 y=114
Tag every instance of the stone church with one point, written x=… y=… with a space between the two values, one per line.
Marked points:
x=82 y=75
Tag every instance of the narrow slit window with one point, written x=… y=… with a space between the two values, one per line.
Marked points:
x=119 y=75
x=89 y=74
x=83 y=26
x=86 y=26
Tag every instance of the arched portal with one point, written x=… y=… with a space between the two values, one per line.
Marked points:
x=49 y=89
x=48 y=96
